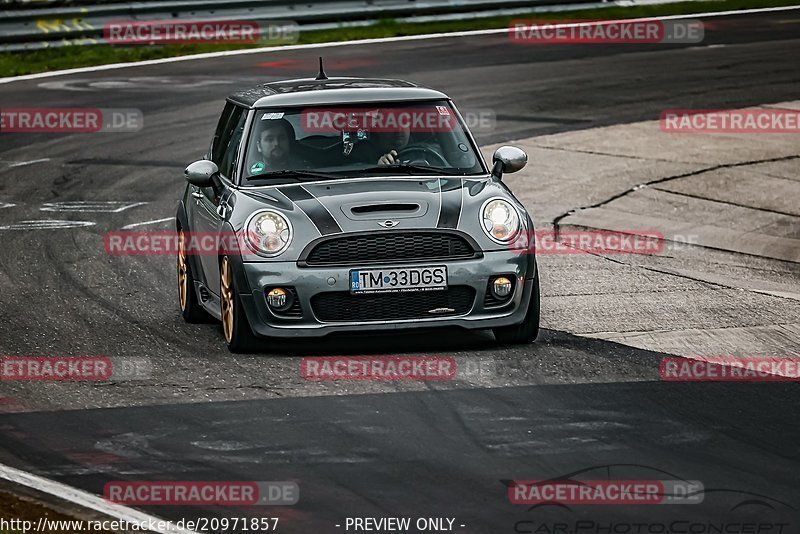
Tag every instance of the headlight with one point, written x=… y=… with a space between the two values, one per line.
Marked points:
x=268 y=232
x=500 y=220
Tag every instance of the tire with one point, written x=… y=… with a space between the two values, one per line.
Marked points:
x=528 y=330
x=191 y=310
x=239 y=336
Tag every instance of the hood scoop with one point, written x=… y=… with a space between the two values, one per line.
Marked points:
x=374 y=208
x=383 y=210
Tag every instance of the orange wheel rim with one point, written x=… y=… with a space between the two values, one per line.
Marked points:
x=183 y=279
x=226 y=302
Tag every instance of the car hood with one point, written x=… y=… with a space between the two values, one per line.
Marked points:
x=358 y=205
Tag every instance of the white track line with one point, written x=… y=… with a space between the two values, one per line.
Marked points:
x=90 y=206
x=264 y=50
x=88 y=500
x=26 y=163
x=46 y=224
x=134 y=225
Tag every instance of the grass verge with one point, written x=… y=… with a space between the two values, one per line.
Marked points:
x=19 y=63
x=18 y=511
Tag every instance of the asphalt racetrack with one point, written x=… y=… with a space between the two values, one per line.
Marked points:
x=587 y=397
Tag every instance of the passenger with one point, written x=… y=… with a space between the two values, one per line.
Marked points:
x=275 y=140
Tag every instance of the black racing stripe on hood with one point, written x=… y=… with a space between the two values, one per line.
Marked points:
x=312 y=207
x=450 y=211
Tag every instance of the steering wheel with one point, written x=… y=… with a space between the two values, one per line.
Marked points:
x=421 y=151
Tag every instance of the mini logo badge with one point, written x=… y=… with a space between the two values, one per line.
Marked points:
x=441 y=310
x=389 y=224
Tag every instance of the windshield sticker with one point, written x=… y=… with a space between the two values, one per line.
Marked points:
x=443 y=110
x=272 y=116
x=257 y=168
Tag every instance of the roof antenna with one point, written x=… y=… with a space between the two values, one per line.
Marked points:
x=321 y=75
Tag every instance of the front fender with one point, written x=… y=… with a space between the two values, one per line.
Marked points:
x=236 y=262
x=182 y=223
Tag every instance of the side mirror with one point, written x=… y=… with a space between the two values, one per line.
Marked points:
x=508 y=159
x=201 y=173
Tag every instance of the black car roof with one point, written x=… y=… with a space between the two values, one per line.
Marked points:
x=310 y=91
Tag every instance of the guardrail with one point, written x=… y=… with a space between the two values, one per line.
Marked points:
x=81 y=22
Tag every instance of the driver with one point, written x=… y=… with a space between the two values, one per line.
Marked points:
x=385 y=147
x=389 y=143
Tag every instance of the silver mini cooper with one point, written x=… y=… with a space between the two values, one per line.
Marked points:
x=344 y=205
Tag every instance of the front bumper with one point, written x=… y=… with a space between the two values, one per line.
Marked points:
x=310 y=281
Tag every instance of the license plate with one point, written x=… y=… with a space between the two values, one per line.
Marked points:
x=397 y=280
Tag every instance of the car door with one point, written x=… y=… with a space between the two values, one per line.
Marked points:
x=205 y=215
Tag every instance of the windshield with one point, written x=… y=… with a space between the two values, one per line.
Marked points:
x=358 y=140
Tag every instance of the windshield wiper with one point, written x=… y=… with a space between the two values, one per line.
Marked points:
x=408 y=167
x=296 y=174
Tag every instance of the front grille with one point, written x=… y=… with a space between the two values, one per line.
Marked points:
x=389 y=247
x=341 y=306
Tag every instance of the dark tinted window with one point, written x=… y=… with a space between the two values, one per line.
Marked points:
x=351 y=140
x=217 y=148
x=226 y=145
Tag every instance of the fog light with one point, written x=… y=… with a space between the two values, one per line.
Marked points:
x=501 y=287
x=277 y=298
